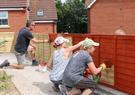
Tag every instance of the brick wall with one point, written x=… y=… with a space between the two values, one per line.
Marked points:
x=108 y=16
x=45 y=28
x=17 y=19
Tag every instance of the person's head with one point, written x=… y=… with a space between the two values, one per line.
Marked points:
x=61 y=42
x=30 y=25
x=89 y=45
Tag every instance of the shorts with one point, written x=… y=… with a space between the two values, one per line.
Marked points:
x=86 y=83
x=20 y=57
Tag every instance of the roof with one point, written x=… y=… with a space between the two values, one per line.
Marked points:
x=46 y=8
x=13 y=3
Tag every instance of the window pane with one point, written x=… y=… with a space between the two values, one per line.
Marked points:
x=3 y=17
x=40 y=12
x=3 y=22
x=0 y=21
x=3 y=14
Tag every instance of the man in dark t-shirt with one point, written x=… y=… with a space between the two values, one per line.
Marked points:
x=23 y=40
x=22 y=43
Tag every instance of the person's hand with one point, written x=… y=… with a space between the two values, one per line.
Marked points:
x=103 y=66
x=34 y=47
x=47 y=40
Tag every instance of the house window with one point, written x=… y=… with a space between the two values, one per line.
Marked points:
x=3 y=18
x=40 y=12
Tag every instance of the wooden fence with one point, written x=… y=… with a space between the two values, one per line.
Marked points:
x=118 y=52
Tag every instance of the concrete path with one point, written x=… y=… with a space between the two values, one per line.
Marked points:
x=28 y=81
x=31 y=82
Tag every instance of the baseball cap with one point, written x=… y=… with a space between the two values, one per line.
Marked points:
x=89 y=42
x=60 y=40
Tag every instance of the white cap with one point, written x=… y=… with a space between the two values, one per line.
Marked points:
x=60 y=40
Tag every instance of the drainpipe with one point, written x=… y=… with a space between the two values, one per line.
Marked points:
x=28 y=9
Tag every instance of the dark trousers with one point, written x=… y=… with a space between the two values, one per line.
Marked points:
x=86 y=83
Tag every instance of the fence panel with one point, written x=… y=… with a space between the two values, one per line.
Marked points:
x=125 y=66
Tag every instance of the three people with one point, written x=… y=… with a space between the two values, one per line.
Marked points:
x=64 y=67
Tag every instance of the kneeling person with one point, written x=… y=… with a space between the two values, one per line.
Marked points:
x=23 y=41
x=60 y=60
x=74 y=72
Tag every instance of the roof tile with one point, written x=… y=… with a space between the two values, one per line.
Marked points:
x=13 y=3
x=48 y=7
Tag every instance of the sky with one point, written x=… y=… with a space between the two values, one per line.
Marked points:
x=63 y=0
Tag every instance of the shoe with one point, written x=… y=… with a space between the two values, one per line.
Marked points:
x=56 y=89
x=4 y=64
x=63 y=89
x=42 y=69
x=34 y=63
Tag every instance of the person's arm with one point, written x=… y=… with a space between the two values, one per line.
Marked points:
x=50 y=64
x=32 y=44
x=39 y=41
x=93 y=68
x=71 y=48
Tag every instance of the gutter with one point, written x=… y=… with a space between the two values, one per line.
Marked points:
x=90 y=5
x=45 y=21
x=11 y=9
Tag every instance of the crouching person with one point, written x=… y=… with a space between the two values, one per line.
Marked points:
x=74 y=72
x=60 y=60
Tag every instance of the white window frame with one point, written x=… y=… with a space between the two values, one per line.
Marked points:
x=40 y=13
x=6 y=17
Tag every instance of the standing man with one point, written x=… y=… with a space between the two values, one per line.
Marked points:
x=22 y=43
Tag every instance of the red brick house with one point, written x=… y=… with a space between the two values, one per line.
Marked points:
x=15 y=13
x=111 y=17
x=43 y=12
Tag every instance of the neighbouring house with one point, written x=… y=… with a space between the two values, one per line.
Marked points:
x=43 y=12
x=109 y=16
x=15 y=13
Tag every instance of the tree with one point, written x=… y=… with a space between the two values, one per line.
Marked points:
x=72 y=16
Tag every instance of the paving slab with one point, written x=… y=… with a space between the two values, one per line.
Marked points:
x=31 y=82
